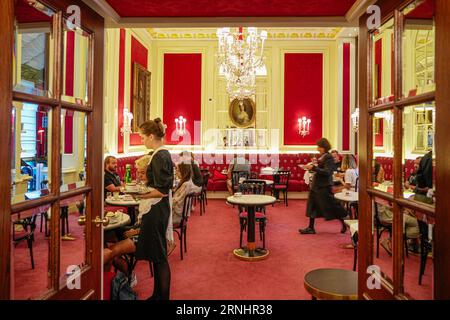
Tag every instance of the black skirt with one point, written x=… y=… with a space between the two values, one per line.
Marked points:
x=321 y=203
x=151 y=244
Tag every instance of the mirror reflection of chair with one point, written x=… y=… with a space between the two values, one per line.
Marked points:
x=253 y=187
x=28 y=225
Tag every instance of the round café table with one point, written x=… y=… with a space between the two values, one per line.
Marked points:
x=347 y=197
x=332 y=284
x=352 y=196
x=125 y=201
x=251 y=201
x=120 y=220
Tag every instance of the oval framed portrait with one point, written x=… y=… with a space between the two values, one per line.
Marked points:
x=242 y=116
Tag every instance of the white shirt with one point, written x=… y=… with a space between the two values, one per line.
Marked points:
x=350 y=176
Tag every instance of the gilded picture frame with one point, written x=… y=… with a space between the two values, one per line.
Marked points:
x=141 y=96
x=242 y=117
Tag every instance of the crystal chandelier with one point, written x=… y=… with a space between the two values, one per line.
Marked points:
x=239 y=58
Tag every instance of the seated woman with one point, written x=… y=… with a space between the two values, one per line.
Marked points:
x=410 y=226
x=411 y=183
x=197 y=179
x=377 y=172
x=128 y=245
x=351 y=173
x=185 y=187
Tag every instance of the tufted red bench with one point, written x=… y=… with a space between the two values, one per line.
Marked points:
x=216 y=163
x=408 y=169
x=387 y=163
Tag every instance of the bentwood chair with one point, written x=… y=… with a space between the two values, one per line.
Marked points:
x=28 y=225
x=181 y=227
x=201 y=196
x=280 y=183
x=380 y=227
x=236 y=177
x=253 y=187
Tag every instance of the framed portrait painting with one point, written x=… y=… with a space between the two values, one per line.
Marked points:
x=141 y=96
x=242 y=115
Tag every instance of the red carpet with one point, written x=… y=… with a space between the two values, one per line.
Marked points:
x=209 y=269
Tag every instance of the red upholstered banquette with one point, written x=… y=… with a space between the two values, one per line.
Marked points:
x=388 y=163
x=220 y=162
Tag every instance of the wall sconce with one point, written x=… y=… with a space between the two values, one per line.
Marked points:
x=127 y=117
x=40 y=133
x=355 y=119
x=303 y=126
x=180 y=124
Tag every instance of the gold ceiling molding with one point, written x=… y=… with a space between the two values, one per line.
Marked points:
x=272 y=33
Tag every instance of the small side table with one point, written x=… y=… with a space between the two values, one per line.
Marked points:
x=332 y=284
x=251 y=202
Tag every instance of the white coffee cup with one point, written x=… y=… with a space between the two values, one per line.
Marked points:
x=238 y=194
x=116 y=195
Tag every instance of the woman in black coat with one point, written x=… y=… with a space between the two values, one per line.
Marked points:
x=321 y=201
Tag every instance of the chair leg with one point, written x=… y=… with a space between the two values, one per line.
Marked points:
x=185 y=244
x=67 y=222
x=264 y=234
x=378 y=244
x=181 y=244
x=30 y=247
x=241 y=223
x=406 y=247
x=423 y=259
x=151 y=268
x=355 y=257
x=42 y=217
x=47 y=233
x=204 y=202
x=286 y=197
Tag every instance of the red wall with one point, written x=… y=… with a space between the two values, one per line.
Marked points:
x=121 y=92
x=182 y=95
x=346 y=98
x=70 y=61
x=70 y=68
x=303 y=96
x=139 y=54
x=68 y=132
x=379 y=62
x=379 y=137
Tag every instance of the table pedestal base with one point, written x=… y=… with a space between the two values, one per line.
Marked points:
x=244 y=254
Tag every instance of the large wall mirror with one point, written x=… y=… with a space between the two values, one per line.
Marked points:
x=33 y=48
x=76 y=66
x=382 y=43
x=383 y=154
x=419 y=48
x=31 y=151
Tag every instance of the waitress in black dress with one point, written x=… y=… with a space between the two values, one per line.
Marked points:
x=151 y=244
x=321 y=201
